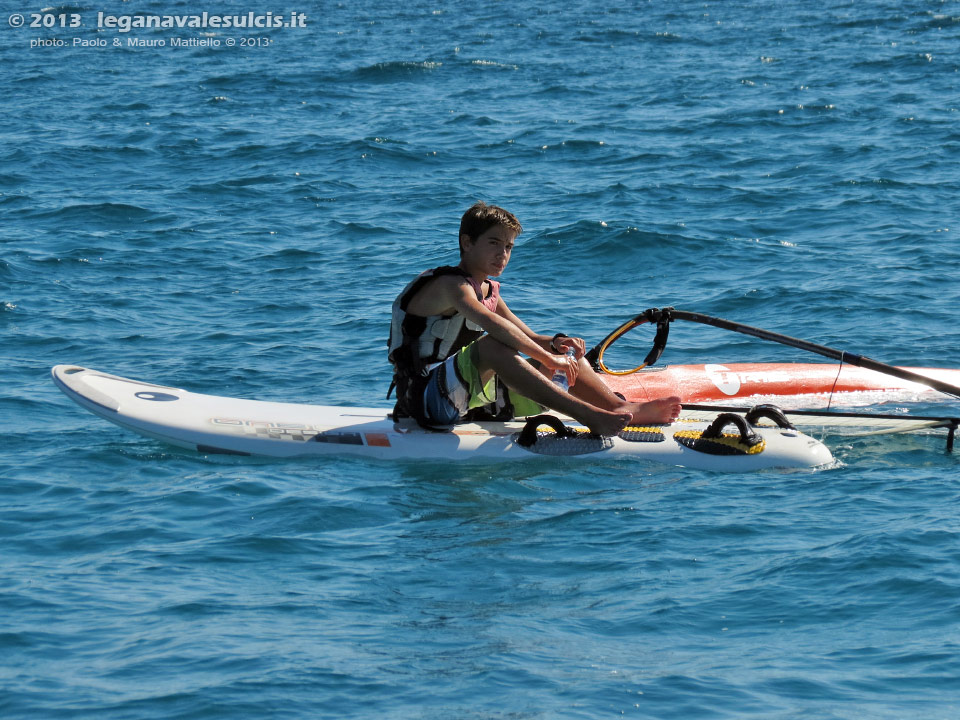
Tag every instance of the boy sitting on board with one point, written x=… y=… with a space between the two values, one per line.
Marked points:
x=452 y=337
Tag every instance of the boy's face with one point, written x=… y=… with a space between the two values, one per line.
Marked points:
x=490 y=252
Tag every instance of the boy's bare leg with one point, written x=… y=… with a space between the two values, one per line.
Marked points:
x=590 y=388
x=518 y=374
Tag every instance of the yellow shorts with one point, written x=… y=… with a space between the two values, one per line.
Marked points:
x=456 y=387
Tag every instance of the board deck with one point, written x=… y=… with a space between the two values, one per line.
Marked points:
x=213 y=424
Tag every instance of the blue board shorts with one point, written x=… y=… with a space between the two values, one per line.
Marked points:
x=455 y=387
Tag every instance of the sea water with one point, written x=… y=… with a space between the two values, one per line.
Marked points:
x=232 y=210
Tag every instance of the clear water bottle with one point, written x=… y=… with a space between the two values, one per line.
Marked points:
x=560 y=377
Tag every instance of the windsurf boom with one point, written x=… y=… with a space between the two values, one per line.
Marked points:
x=700 y=383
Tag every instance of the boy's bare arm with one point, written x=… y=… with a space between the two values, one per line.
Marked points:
x=545 y=341
x=510 y=333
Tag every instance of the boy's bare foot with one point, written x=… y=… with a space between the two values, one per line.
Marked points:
x=606 y=422
x=661 y=411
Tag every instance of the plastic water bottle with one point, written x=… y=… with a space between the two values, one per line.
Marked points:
x=560 y=377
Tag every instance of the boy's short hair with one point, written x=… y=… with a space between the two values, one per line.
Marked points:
x=481 y=217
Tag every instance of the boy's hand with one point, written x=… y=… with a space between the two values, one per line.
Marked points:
x=578 y=345
x=561 y=362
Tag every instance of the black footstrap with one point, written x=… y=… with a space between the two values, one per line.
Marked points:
x=528 y=436
x=559 y=439
x=771 y=412
x=747 y=436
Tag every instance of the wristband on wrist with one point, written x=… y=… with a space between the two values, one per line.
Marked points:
x=553 y=343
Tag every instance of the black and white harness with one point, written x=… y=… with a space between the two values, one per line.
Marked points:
x=417 y=343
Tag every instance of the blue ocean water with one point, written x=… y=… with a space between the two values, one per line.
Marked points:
x=237 y=219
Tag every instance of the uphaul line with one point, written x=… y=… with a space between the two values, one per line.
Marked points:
x=126 y=23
